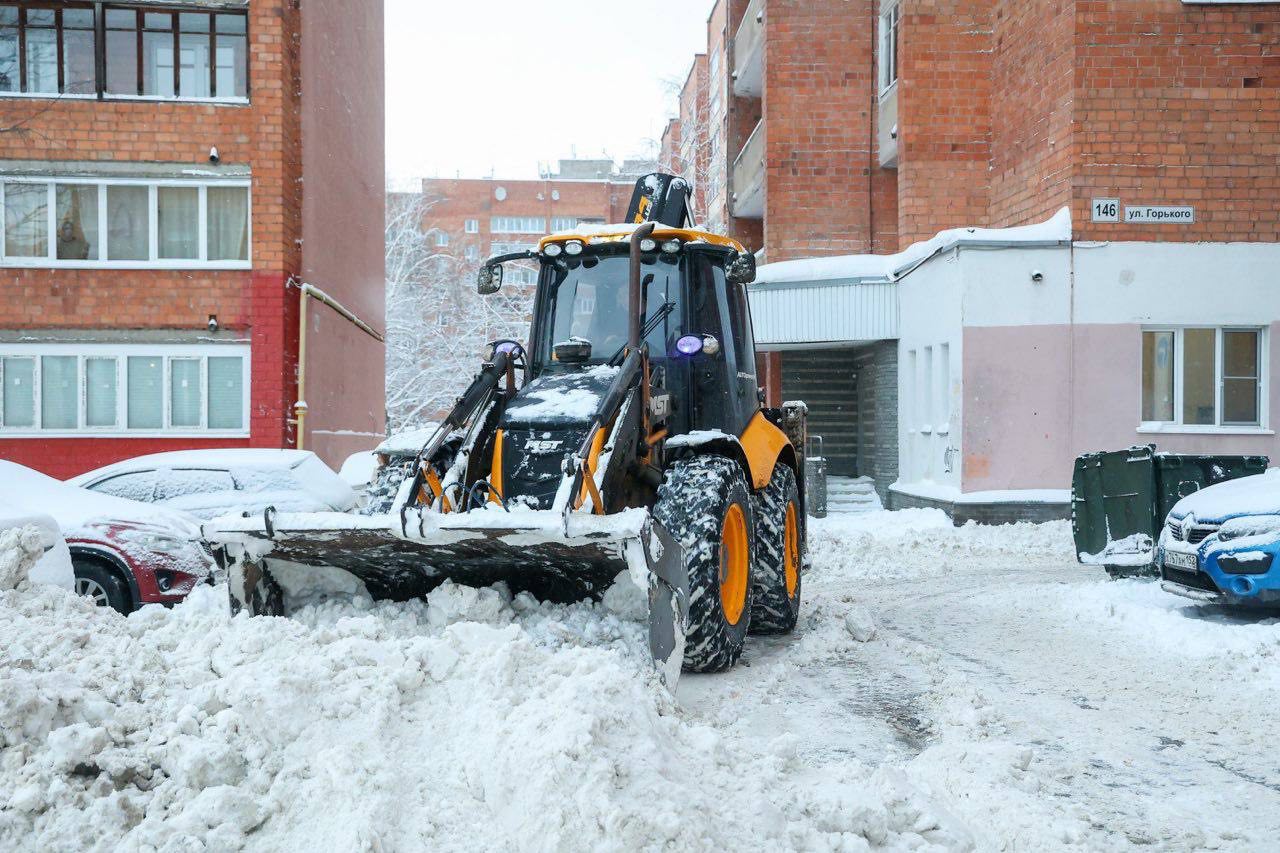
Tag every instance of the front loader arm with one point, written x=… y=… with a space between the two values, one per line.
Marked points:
x=475 y=399
x=582 y=462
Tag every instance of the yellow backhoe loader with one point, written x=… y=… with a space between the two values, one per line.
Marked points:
x=627 y=435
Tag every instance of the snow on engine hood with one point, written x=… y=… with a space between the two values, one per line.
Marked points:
x=560 y=399
x=1257 y=495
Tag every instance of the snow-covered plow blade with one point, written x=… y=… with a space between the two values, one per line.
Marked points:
x=555 y=557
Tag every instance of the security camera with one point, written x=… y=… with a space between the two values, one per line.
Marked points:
x=213 y=323
x=1037 y=276
x=214 y=157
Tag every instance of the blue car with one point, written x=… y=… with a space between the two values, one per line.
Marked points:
x=1222 y=544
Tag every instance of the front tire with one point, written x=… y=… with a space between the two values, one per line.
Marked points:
x=705 y=505
x=779 y=555
x=105 y=587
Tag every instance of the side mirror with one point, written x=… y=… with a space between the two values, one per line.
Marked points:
x=489 y=279
x=742 y=269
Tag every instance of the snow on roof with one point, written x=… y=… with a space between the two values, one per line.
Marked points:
x=215 y=458
x=1055 y=231
x=73 y=507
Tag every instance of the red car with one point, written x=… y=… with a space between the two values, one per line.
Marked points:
x=125 y=554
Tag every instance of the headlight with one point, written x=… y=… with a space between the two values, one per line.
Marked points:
x=648 y=244
x=1252 y=525
x=153 y=541
x=573 y=247
x=553 y=250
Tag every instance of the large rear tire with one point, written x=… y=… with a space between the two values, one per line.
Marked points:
x=779 y=555
x=705 y=505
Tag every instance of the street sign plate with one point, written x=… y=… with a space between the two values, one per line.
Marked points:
x=1159 y=215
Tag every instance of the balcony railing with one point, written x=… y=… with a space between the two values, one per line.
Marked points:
x=748 y=53
x=747 y=201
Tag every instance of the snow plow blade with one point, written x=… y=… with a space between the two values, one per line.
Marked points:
x=554 y=558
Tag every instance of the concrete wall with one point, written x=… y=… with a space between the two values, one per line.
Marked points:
x=931 y=301
x=343 y=222
x=1053 y=369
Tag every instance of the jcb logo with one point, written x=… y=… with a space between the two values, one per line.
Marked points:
x=642 y=214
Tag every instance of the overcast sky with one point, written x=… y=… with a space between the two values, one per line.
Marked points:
x=482 y=86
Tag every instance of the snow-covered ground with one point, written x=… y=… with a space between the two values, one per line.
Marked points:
x=948 y=689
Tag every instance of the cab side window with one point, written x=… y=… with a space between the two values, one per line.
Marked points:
x=744 y=344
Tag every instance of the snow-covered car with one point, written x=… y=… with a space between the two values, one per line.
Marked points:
x=124 y=554
x=55 y=566
x=1222 y=544
x=210 y=483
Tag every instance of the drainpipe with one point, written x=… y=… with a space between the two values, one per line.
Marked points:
x=310 y=291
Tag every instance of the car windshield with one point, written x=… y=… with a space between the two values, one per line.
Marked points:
x=588 y=300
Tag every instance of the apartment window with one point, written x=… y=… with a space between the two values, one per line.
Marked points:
x=81 y=223
x=442 y=239
x=472 y=254
x=496 y=249
x=564 y=223
x=472 y=226
x=50 y=49
x=890 y=23
x=518 y=225
x=124 y=389
x=519 y=275
x=1203 y=377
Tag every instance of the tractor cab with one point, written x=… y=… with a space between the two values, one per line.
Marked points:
x=693 y=320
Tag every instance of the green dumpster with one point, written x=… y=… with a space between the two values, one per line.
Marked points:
x=1120 y=499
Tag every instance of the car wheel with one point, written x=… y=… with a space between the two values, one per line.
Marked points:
x=96 y=581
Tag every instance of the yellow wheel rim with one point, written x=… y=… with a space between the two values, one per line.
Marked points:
x=791 y=550
x=733 y=565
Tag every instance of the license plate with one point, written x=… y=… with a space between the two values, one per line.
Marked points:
x=1175 y=560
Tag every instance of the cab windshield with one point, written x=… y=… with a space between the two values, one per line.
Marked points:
x=587 y=299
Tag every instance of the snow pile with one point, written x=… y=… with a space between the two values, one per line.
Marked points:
x=472 y=720
x=919 y=542
x=20 y=549
x=1235 y=645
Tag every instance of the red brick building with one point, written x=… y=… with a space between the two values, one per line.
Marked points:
x=171 y=175
x=860 y=127
x=473 y=219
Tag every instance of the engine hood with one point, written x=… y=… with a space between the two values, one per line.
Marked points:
x=559 y=400
x=1257 y=495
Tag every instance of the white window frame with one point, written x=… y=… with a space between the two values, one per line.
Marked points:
x=887 y=60
x=1177 y=425
x=52 y=261
x=121 y=353
x=442 y=239
x=517 y=225
x=471 y=226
